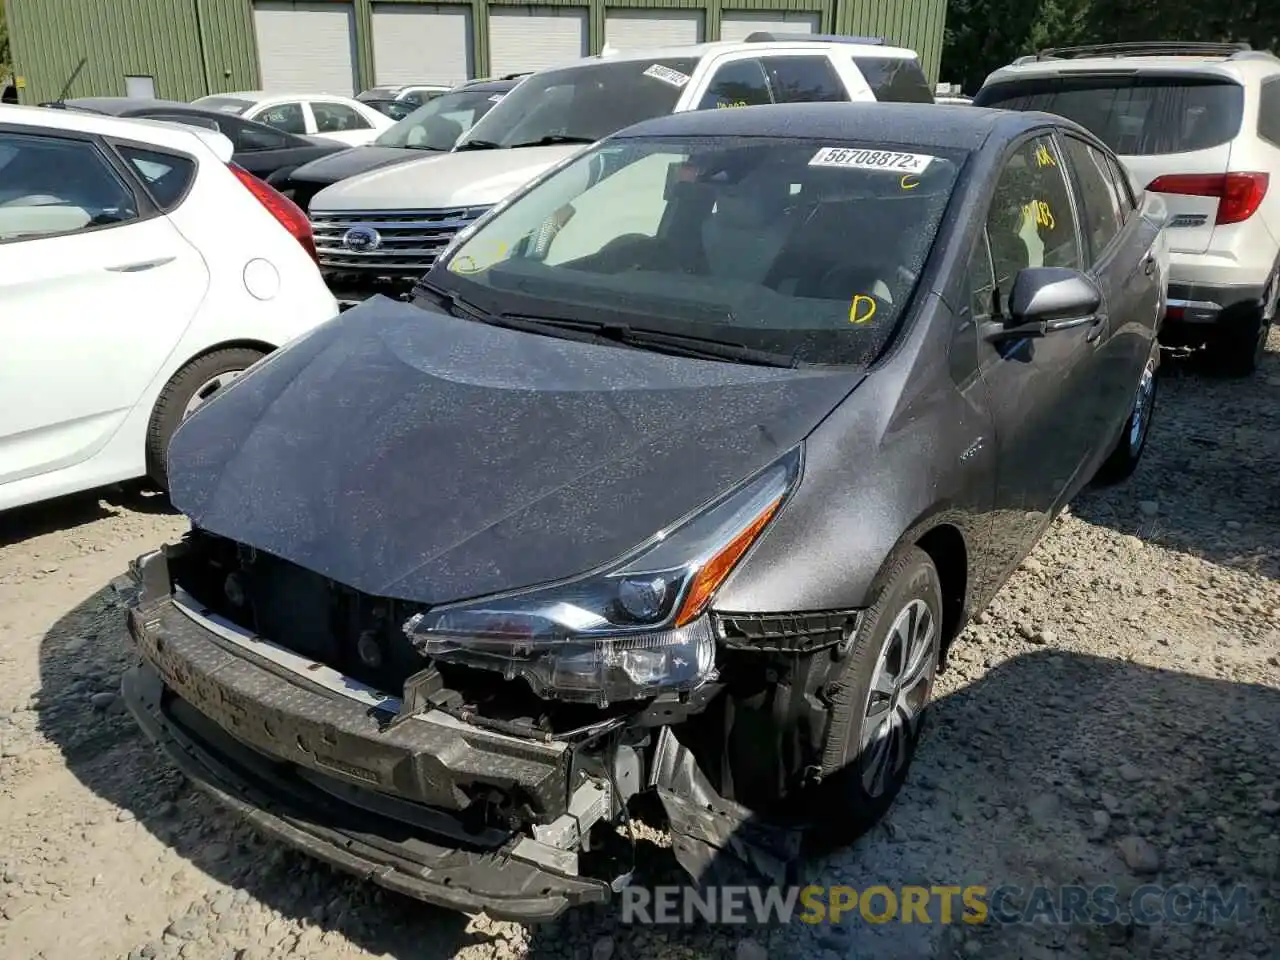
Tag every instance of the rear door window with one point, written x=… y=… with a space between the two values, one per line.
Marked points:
x=50 y=186
x=895 y=79
x=1103 y=217
x=1143 y=115
x=336 y=117
x=739 y=83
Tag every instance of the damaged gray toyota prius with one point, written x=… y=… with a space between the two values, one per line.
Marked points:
x=664 y=497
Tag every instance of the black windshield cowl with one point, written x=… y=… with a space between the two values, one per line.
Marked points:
x=659 y=341
x=478 y=145
x=554 y=140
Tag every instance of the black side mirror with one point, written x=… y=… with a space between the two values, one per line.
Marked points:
x=1044 y=300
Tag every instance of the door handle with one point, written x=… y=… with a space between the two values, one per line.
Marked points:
x=1149 y=264
x=141 y=265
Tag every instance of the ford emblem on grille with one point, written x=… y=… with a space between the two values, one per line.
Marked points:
x=362 y=239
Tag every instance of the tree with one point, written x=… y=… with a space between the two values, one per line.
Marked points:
x=5 y=62
x=985 y=34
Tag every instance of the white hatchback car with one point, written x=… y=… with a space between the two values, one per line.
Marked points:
x=318 y=115
x=140 y=272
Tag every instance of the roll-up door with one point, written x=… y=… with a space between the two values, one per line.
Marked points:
x=531 y=38
x=421 y=43
x=305 y=47
x=739 y=24
x=648 y=29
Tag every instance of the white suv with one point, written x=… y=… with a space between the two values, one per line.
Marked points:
x=382 y=230
x=1200 y=124
x=140 y=273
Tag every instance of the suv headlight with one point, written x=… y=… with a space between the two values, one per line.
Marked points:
x=629 y=631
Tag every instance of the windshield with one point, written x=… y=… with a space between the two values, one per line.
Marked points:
x=1141 y=115
x=378 y=93
x=585 y=104
x=224 y=104
x=808 y=249
x=438 y=123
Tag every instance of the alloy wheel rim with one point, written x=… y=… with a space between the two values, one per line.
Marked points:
x=1142 y=403
x=900 y=690
x=208 y=390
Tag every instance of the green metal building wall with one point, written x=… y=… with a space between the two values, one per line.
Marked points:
x=76 y=48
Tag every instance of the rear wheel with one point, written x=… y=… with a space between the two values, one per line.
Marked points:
x=878 y=705
x=1124 y=458
x=189 y=389
x=1236 y=349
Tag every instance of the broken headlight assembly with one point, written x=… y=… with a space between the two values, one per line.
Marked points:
x=629 y=631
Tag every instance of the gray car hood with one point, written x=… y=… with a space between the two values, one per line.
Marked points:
x=413 y=455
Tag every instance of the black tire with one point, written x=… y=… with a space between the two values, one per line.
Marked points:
x=1236 y=348
x=1127 y=453
x=842 y=806
x=178 y=394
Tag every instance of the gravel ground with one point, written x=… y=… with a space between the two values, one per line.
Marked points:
x=1112 y=719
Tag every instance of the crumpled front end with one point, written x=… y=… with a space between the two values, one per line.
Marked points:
x=271 y=687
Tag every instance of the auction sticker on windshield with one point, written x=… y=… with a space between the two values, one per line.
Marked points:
x=861 y=159
x=667 y=75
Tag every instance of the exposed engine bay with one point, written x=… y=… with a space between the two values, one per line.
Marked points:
x=721 y=760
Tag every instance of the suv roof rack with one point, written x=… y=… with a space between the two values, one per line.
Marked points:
x=1149 y=48
x=768 y=36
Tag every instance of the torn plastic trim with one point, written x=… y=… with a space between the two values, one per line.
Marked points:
x=706 y=827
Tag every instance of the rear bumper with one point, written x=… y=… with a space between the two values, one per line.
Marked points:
x=1205 y=304
x=324 y=770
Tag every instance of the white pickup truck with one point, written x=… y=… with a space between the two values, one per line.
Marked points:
x=380 y=231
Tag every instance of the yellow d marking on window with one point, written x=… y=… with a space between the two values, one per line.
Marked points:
x=862 y=308
x=1044 y=158
x=909 y=181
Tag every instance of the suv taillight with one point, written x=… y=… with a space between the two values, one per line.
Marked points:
x=1239 y=194
x=281 y=207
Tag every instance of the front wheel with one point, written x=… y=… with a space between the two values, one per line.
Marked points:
x=878 y=705
x=189 y=389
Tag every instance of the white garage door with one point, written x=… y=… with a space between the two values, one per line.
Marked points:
x=525 y=38
x=739 y=24
x=421 y=43
x=306 y=47
x=645 y=29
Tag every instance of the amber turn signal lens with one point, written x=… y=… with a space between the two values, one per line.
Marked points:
x=713 y=573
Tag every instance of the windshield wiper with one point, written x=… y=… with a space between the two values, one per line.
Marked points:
x=659 y=341
x=478 y=145
x=553 y=139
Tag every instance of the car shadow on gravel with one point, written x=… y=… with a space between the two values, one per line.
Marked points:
x=1207 y=481
x=1035 y=770
x=77 y=509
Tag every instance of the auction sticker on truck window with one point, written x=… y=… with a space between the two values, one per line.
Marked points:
x=667 y=75
x=861 y=159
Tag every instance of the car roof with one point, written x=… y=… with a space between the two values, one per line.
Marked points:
x=696 y=51
x=158 y=132
x=956 y=126
x=121 y=105
x=483 y=86
x=1239 y=64
x=260 y=96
